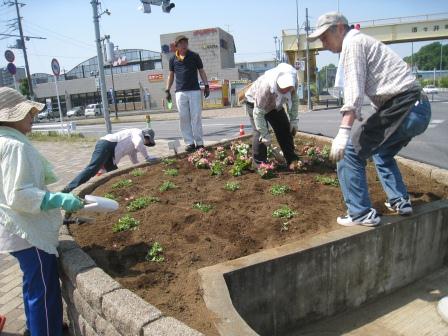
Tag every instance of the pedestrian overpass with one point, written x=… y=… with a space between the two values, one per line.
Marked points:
x=394 y=30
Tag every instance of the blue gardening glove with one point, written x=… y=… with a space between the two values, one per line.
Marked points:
x=66 y=201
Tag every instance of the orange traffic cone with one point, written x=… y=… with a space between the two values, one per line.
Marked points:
x=101 y=171
x=242 y=130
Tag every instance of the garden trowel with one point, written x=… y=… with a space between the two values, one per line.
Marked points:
x=99 y=204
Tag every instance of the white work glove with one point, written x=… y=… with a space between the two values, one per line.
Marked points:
x=294 y=126
x=339 y=143
x=266 y=139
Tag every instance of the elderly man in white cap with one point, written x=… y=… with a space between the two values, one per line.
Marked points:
x=401 y=112
x=264 y=103
x=30 y=215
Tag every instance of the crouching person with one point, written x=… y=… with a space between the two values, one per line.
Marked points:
x=264 y=104
x=30 y=216
x=111 y=148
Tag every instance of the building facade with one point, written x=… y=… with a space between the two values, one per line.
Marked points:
x=138 y=76
x=6 y=78
x=215 y=46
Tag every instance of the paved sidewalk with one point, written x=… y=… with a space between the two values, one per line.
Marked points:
x=68 y=159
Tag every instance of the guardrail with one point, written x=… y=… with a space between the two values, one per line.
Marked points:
x=60 y=128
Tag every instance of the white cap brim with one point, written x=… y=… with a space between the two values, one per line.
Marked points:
x=285 y=80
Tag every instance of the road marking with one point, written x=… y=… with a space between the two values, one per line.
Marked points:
x=434 y=123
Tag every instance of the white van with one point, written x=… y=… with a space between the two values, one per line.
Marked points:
x=93 y=110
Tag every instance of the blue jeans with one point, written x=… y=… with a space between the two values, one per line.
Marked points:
x=41 y=292
x=352 y=169
x=103 y=155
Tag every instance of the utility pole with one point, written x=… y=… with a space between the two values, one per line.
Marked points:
x=276 y=50
x=99 y=54
x=308 y=86
x=297 y=29
x=25 y=56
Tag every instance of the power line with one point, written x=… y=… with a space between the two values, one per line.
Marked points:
x=47 y=30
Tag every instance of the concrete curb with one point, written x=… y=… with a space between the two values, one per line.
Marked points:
x=98 y=305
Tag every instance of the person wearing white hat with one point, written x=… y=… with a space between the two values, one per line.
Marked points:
x=401 y=112
x=30 y=215
x=264 y=104
x=111 y=148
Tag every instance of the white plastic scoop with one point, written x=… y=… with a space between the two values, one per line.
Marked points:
x=99 y=204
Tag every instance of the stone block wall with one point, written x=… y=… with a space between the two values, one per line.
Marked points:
x=98 y=305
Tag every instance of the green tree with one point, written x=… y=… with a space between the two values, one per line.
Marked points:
x=24 y=88
x=428 y=57
x=327 y=75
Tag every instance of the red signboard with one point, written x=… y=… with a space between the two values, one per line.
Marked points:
x=205 y=31
x=155 y=77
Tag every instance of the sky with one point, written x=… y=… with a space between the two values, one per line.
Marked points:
x=68 y=28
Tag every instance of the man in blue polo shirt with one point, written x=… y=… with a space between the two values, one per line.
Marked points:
x=185 y=64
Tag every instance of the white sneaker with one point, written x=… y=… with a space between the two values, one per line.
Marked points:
x=402 y=206
x=369 y=219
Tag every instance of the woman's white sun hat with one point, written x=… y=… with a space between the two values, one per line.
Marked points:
x=15 y=107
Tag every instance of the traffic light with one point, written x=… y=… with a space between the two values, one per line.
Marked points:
x=167 y=6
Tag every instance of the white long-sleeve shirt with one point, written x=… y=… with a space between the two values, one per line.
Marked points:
x=129 y=142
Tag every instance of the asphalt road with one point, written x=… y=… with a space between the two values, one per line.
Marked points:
x=430 y=147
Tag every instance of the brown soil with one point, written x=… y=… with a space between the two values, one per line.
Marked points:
x=240 y=224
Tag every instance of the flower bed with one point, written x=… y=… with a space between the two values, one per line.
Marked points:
x=173 y=224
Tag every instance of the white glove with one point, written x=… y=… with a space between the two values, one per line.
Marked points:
x=266 y=139
x=339 y=143
x=294 y=126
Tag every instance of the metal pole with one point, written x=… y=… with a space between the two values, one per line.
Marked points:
x=276 y=50
x=441 y=55
x=59 y=102
x=25 y=56
x=113 y=92
x=297 y=27
x=412 y=57
x=434 y=74
x=99 y=54
x=326 y=77
x=16 y=86
x=307 y=27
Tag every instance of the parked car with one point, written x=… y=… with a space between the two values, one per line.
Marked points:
x=45 y=114
x=76 y=112
x=93 y=110
x=430 y=89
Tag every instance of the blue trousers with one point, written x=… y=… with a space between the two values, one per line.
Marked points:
x=41 y=292
x=352 y=169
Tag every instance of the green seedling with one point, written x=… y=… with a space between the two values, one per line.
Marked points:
x=137 y=172
x=141 y=203
x=171 y=172
x=125 y=223
x=279 y=189
x=326 y=180
x=110 y=196
x=168 y=162
x=217 y=168
x=232 y=186
x=155 y=253
x=203 y=207
x=167 y=185
x=126 y=183
x=284 y=212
